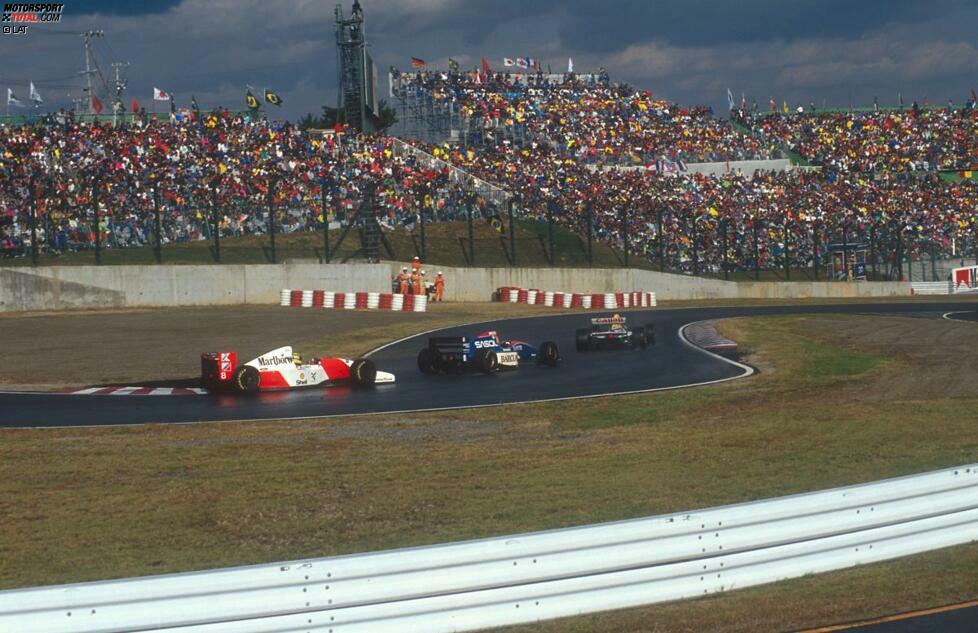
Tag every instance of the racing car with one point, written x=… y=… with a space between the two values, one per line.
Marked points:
x=485 y=353
x=282 y=369
x=613 y=332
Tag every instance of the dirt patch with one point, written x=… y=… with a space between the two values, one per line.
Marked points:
x=941 y=354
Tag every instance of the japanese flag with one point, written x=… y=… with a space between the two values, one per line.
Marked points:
x=159 y=95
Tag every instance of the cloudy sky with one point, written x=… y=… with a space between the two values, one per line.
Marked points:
x=689 y=51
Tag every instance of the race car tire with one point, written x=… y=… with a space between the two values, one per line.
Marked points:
x=364 y=372
x=486 y=360
x=583 y=340
x=246 y=379
x=427 y=361
x=639 y=338
x=549 y=354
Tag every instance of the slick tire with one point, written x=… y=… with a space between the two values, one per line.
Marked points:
x=582 y=340
x=486 y=360
x=427 y=361
x=640 y=338
x=245 y=379
x=549 y=354
x=364 y=372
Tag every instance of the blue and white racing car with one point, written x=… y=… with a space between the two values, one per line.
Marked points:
x=485 y=353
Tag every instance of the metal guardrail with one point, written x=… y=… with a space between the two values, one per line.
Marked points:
x=528 y=577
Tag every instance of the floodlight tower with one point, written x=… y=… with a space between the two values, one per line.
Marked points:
x=357 y=96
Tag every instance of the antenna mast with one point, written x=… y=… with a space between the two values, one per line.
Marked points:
x=88 y=72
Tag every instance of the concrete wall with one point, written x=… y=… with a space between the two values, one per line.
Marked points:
x=71 y=287
x=79 y=287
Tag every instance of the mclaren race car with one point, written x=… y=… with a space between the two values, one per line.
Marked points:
x=282 y=369
x=613 y=331
x=485 y=353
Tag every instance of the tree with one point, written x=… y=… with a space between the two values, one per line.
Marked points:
x=331 y=116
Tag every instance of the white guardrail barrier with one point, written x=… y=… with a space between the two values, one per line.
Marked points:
x=527 y=577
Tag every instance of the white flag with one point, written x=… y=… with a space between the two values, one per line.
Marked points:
x=570 y=65
x=508 y=62
x=12 y=100
x=159 y=95
x=521 y=62
x=35 y=95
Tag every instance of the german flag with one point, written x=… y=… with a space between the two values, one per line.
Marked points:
x=272 y=98
x=251 y=101
x=417 y=62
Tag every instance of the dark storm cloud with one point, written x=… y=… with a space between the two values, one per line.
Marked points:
x=690 y=51
x=121 y=7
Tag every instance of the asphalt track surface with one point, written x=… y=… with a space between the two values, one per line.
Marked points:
x=671 y=363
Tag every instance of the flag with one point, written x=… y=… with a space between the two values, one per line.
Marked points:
x=784 y=106
x=570 y=65
x=453 y=65
x=521 y=62
x=496 y=223
x=272 y=98
x=485 y=66
x=194 y=105
x=135 y=105
x=96 y=104
x=730 y=99
x=251 y=101
x=173 y=106
x=159 y=95
x=774 y=105
x=743 y=101
x=974 y=97
x=508 y=62
x=900 y=97
x=12 y=100
x=417 y=62
x=36 y=96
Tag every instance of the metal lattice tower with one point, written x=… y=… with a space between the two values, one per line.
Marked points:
x=357 y=95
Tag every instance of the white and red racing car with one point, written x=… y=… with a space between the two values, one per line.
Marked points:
x=282 y=369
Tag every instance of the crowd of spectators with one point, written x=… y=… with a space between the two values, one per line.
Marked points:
x=585 y=165
x=222 y=166
x=588 y=117
x=686 y=217
x=893 y=140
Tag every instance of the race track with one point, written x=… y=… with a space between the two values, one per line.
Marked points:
x=671 y=363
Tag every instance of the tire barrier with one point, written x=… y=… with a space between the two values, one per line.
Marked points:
x=505 y=580
x=584 y=300
x=357 y=300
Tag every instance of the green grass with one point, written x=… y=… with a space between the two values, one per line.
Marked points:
x=446 y=243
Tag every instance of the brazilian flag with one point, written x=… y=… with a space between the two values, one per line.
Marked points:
x=251 y=101
x=272 y=98
x=496 y=223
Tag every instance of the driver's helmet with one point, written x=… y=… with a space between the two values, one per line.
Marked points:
x=617 y=322
x=297 y=358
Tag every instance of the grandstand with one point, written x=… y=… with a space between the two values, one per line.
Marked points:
x=602 y=159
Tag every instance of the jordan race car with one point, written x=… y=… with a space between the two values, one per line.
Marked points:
x=613 y=332
x=281 y=369
x=486 y=353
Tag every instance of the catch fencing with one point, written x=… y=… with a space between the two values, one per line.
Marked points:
x=529 y=577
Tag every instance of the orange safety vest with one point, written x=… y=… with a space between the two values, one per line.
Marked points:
x=415 y=266
x=416 y=282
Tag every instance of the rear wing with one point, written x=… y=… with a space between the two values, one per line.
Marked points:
x=608 y=320
x=443 y=345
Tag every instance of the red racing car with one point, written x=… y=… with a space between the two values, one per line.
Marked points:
x=282 y=369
